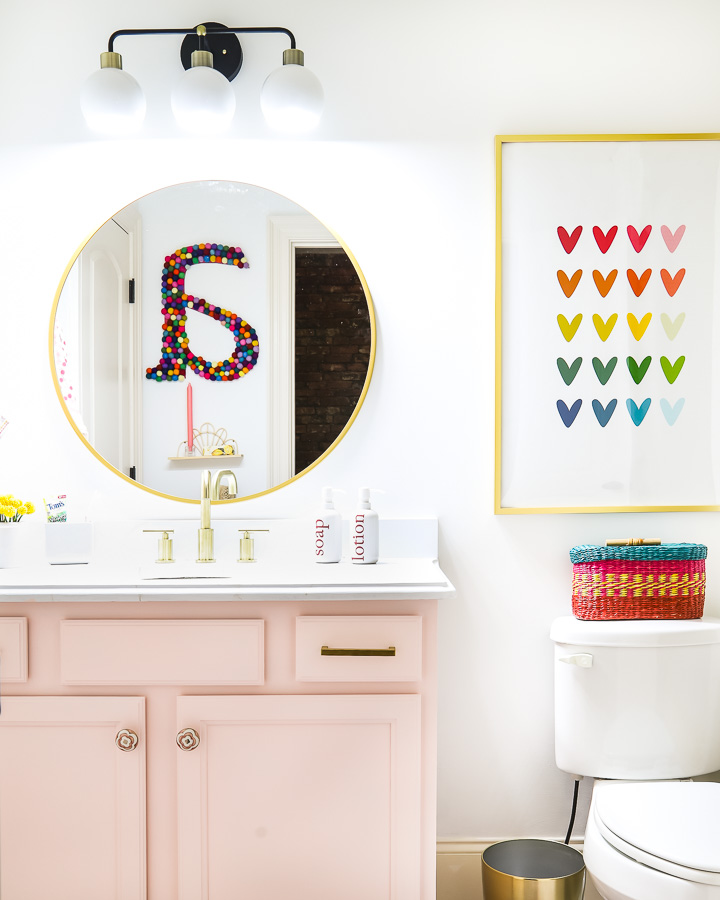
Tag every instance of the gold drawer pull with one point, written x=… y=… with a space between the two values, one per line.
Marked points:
x=351 y=651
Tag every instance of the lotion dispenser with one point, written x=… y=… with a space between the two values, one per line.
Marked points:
x=328 y=530
x=364 y=537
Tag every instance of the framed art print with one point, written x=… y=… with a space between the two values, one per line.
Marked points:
x=608 y=323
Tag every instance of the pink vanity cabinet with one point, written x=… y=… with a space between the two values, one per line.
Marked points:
x=207 y=750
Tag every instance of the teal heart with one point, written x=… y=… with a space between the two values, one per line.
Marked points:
x=638 y=370
x=569 y=372
x=672 y=370
x=637 y=414
x=603 y=413
x=604 y=372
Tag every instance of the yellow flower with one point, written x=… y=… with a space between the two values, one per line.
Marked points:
x=13 y=501
x=7 y=511
x=29 y=507
x=4 y=499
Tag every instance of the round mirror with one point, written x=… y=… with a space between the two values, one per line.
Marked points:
x=212 y=325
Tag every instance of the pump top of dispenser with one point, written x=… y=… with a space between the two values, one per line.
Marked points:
x=364 y=496
x=328 y=496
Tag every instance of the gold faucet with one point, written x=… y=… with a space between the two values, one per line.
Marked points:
x=210 y=487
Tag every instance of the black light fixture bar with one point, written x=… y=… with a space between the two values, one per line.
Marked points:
x=209 y=29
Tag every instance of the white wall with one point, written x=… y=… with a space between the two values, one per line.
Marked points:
x=402 y=169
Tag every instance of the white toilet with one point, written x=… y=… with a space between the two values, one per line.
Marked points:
x=637 y=707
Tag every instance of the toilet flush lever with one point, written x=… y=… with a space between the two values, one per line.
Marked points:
x=584 y=660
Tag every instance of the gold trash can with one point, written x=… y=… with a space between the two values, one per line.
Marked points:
x=528 y=869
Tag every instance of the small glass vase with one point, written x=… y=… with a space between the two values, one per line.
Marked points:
x=10 y=545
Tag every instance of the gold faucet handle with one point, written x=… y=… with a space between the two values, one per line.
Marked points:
x=165 y=544
x=247 y=544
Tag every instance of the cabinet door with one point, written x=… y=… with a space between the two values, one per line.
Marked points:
x=72 y=803
x=309 y=797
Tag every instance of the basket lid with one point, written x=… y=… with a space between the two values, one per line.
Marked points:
x=635 y=632
x=594 y=552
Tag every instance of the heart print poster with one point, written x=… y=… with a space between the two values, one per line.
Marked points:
x=608 y=313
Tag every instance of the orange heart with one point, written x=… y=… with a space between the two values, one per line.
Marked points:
x=672 y=283
x=604 y=284
x=569 y=284
x=638 y=283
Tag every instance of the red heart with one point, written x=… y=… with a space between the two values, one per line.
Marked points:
x=639 y=240
x=604 y=240
x=569 y=240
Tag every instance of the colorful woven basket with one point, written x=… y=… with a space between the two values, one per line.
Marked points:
x=638 y=581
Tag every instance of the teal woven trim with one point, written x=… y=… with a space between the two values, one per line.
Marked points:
x=593 y=552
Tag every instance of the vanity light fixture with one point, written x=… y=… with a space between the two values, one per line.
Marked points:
x=203 y=101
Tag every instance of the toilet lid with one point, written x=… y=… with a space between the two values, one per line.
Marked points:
x=672 y=826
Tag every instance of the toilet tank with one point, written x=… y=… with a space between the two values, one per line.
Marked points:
x=635 y=699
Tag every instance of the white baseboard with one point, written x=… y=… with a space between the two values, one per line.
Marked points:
x=459 y=871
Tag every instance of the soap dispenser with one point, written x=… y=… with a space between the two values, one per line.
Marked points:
x=328 y=530
x=364 y=532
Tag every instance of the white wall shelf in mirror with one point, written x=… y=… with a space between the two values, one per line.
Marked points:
x=138 y=320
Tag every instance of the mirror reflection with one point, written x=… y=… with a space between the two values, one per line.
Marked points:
x=212 y=324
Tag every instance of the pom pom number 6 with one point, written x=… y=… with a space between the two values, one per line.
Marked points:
x=176 y=353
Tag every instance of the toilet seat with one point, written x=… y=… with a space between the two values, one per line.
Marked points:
x=673 y=827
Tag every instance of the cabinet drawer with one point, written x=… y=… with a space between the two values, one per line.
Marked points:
x=176 y=651
x=358 y=648
x=13 y=649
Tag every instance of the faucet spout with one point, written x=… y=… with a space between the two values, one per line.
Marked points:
x=215 y=489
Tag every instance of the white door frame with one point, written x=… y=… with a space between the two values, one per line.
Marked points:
x=285 y=234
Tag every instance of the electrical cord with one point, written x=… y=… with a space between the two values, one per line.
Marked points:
x=573 y=811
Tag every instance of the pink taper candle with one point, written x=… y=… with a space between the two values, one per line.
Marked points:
x=189 y=418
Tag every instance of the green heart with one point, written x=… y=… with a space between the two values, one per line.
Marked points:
x=672 y=370
x=638 y=370
x=569 y=372
x=604 y=372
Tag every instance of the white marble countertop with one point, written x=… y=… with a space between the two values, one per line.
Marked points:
x=397 y=579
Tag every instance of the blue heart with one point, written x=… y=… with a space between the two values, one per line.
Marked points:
x=671 y=412
x=603 y=413
x=637 y=414
x=568 y=415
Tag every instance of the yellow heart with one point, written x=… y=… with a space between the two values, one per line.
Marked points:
x=604 y=328
x=569 y=328
x=638 y=328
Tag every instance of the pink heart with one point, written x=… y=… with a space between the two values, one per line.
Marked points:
x=672 y=240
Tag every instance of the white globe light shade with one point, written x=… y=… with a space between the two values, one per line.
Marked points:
x=203 y=102
x=292 y=99
x=112 y=102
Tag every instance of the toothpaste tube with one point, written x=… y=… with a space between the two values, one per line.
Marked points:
x=56 y=509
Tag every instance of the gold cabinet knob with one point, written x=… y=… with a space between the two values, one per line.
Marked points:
x=188 y=739
x=126 y=739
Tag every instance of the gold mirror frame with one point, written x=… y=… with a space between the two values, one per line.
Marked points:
x=149 y=490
